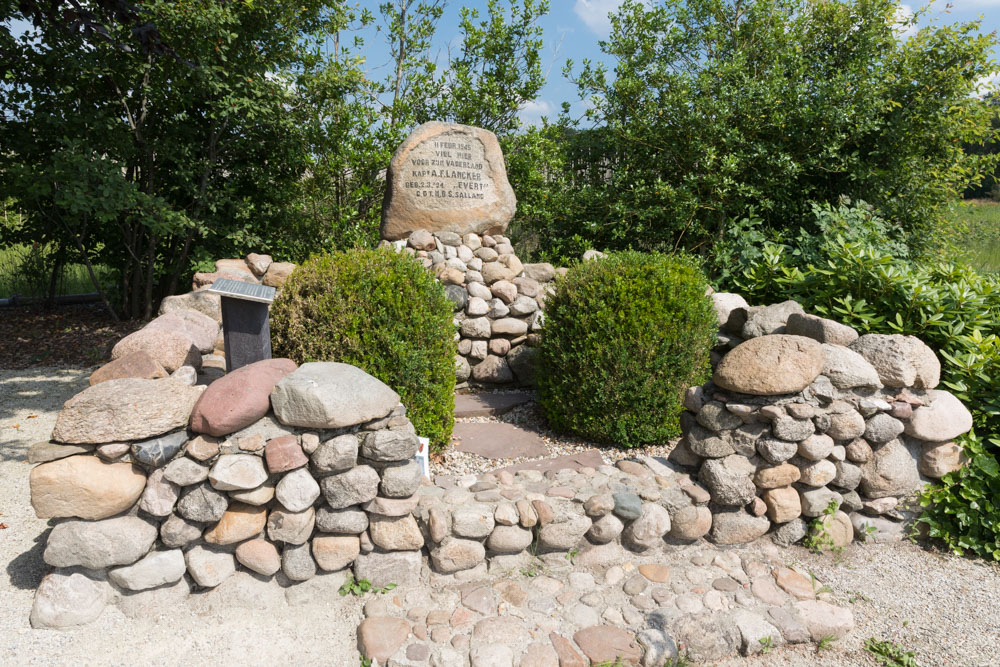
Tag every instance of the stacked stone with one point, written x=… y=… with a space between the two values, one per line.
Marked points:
x=802 y=412
x=256 y=269
x=278 y=469
x=498 y=301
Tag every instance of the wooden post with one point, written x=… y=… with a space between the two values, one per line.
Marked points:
x=245 y=324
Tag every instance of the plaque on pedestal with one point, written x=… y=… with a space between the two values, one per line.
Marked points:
x=245 y=325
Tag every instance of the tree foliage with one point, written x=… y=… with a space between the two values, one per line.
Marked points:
x=716 y=108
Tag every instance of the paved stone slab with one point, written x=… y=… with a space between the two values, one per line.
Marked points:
x=493 y=440
x=588 y=459
x=488 y=404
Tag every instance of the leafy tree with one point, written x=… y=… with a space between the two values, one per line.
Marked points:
x=715 y=107
x=990 y=184
x=150 y=162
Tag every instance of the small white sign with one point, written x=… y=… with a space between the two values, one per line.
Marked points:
x=423 y=456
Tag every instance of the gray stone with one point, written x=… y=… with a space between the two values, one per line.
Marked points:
x=185 y=472
x=825 y=620
x=755 y=632
x=706 y=443
x=628 y=506
x=472 y=520
x=455 y=555
x=791 y=627
x=523 y=362
x=395 y=533
x=357 y=485
x=349 y=521
x=389 y=446
x=706 y=637
x=737 y=527
x=457 y=295
x=67 y=598
x=158 y=451
x=815 y=501
x=297 y=490
x=177 y=531
x=159 y=496
x=605 y=529
x=729 y=480
x=509 y=539
x=848 y=475
x=99 y=544
x=648 y=530
x=125 y=409
x=818 y=473
x=297 y=562
x=401 y=481
x=789 y=533
x=731 y=311
x=715 y=417
x=290 y=527
x=771 y=319
x=45 y=451
x=209 y=568
x=787 y=428
x=237 y=472
x=564 y=535
x=776 y=451
x=901 y=361
x=877 y=529
x=846 y=425
x=395 y=567
x=882 y=428
x=847 y=369
x=892 y=471
x=820 y=328
x=816 y=447
x=203 y=301
x=330 y=395
x=156 y=569
x=492 y=369
x=941 y=418
x=262 y=495
x=336 y=455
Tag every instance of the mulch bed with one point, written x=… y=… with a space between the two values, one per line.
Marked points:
x=68 y=336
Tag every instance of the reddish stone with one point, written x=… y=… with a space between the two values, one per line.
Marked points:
x=794 y=583
x=655 y=572
x=138 y=364
x=382 y=636
x=606 y=643
x=240 y=398
x=568 y=656
x=284 y=453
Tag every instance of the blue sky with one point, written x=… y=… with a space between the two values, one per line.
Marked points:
x=573 y=28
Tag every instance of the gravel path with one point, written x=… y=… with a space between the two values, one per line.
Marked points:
x=945 y=608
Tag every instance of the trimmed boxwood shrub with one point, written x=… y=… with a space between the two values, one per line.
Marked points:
x=382 y=312
x=624 y=338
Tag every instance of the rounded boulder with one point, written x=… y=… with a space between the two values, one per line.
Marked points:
x=771 y=365
x=240 y=398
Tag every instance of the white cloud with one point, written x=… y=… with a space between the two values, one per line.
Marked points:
x=988 y=84
x=904 y=21
x=532 y=112
x=595 y=14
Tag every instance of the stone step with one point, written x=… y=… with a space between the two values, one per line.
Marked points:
x=588 y=459
x=497 y=440
x=489 y=404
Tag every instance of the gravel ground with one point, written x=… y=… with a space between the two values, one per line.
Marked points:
x=530 y=417
x=944 y=608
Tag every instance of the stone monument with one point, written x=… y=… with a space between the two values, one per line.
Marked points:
x=447 y=178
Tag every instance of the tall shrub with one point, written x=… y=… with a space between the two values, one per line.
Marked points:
x=624 y=337
x=382 y=312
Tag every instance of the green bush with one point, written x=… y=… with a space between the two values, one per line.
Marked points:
x=955 y=310
x=383 y=313
x=624 y=337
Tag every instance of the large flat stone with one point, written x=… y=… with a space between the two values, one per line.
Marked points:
x=327 y=394
x=588 y=459
x=494 y=440
x=237 y=400
x=488 y=404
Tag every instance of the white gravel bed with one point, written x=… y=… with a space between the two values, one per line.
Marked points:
x=529 y=416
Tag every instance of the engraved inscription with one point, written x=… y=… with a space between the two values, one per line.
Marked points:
x=447 y=172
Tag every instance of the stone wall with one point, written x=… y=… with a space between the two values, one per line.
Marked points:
x=802 y=412
x=498 y=301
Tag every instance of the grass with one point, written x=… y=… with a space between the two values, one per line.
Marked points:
x=977 y=232
x=25 y=270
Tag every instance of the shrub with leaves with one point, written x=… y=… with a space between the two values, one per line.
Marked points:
x=952 y=308
x=383 y=313
x=624 y=337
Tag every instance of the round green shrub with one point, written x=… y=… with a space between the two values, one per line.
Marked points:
x=624 y=338
x=382 y=312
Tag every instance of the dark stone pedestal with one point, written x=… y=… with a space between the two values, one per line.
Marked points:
x=246 y=330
